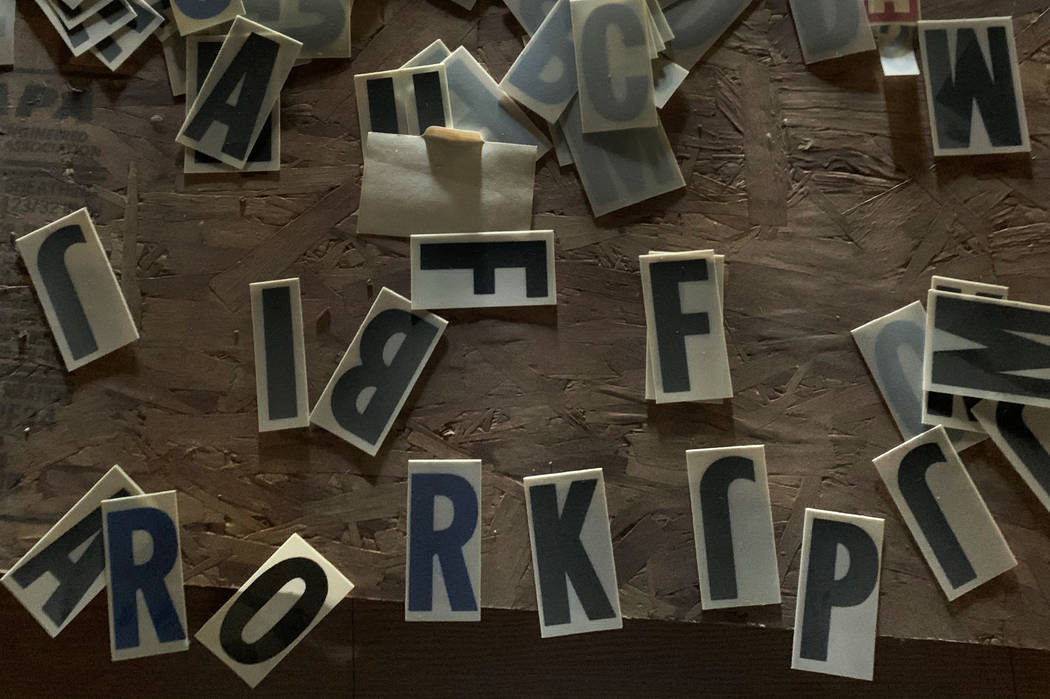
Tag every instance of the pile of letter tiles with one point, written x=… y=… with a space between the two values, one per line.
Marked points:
x=449 y=164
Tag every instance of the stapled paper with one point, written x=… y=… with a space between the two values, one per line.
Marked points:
x=459 y=184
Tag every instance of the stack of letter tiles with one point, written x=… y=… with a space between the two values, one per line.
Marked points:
x=971 y=365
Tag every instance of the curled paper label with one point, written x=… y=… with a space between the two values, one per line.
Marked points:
x=458 y=185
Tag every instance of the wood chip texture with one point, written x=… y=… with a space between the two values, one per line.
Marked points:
x=817 y=183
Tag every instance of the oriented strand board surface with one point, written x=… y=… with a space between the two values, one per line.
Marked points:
x=818 y=184
x=364 y=649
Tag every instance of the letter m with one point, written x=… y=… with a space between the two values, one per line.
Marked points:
x=988 y=345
